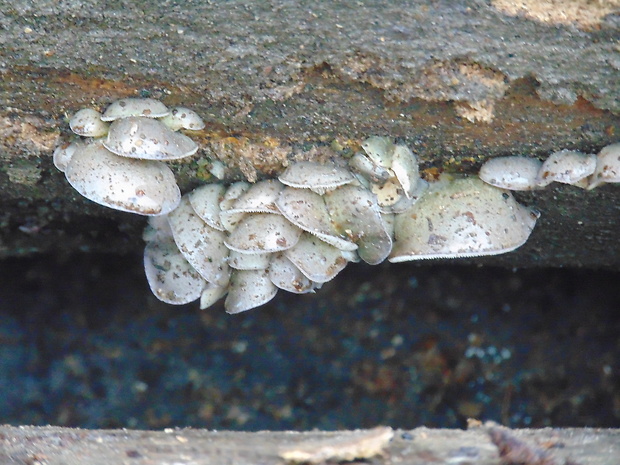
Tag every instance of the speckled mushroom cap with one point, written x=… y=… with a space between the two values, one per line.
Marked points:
x=87 y=122
x=144 y=187
x=147 y=139
x=567 y=167
x=607 y=166
x=145 y=107
x=513 y=172
x=461 y=218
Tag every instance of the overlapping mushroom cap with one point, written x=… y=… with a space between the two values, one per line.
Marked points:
x=119 y=165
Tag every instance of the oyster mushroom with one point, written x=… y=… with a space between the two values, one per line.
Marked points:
x=567 y=167
x=317 y=260
x=146 y=107
x=513 y=172
x=263 y=233
x=461 y=218
x=147 y=139
x=201 y=245
x=144 y=187
x=249 y=289
x=87 y=122
x=183 y=118
x=607 y=166
x=318 y=177
x=286 y=276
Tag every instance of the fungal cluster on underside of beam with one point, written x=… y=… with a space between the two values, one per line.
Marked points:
x=246 y=241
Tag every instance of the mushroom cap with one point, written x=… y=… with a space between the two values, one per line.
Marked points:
x=183 y=118
x=355 y=213
x=607 y=166
x=63 y=153
x=147 y=139
x=249 y=289
x=87 y=122
x=514 y=172
x=567 y=167
x=405 y=168
x=263 y=233
x=171 y=278
x=307 y=210
x=146 y=107
x=380 y=150
x=201 y=245
x=286 y=276
x=319 y=177
x=317 y=260
x=258 y=198
x=462 y=218
x=135 y=186
x=248 y=261
x=205 y=201
x=211 y=294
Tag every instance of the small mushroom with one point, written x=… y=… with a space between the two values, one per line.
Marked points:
x=513 y=172
x=201 y=245
x=183 y=118
x=317 y=260
x=144 y=187
x=147 y=107
x=205 y=201
x=249 y=289
x=607 y=166
x=567 y=167
x=248 y=261
x=147 y=139
x=171 y=278
x=286 y=276
x=263 y=233
x=87 y=122
x=355 y=213
x=308 y=211
x=63 y=153
x=318 y=177
x=461 y=218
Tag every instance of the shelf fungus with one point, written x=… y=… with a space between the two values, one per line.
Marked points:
x=244 y=242
x=118 y=162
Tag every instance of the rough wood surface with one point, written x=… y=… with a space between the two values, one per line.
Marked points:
x=490 y=445
x=458 y=81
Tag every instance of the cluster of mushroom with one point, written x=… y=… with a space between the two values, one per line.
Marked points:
x=566 y=166
x=245 y=241
x=118 y=162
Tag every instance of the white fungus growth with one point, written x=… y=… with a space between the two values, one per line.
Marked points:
x=514 y=173
x=567 y=167
x=607 y=166
x=246 y=241
x=117 y=165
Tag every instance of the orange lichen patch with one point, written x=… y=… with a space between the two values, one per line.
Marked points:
x=266 y=154
x=585 y=14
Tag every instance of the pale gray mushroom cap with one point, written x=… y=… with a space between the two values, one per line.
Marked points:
x=211 y=294
x=147 y=139
x=63 y=153
x=249 y=289
x=405 y=168
x=247 y=261
x=461 y=218
x=380 y=150
x=146 y=107
x=137 y=186
x=317 y=260
x=171 y=278
x=285 y=275
x=259 y=198
x=201 y=245
x=319 y=177
x=607 y=166
x=87 y=122
x=183 y=118
x=355 y=213
x=513 y=172
x=205 y=201
x=568 y=167
x=308 y=211
x=263 y=233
